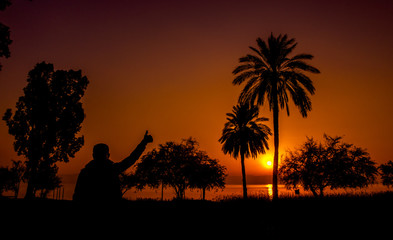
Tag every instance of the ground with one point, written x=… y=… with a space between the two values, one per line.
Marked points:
x=295 y=218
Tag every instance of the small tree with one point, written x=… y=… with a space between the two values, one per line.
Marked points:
x=207 y=174
x=180 y=166
x=387 y=173
x=47 y=119
x=334 y=164
x=10 y=178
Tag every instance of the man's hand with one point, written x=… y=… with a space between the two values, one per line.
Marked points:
x=147 y=138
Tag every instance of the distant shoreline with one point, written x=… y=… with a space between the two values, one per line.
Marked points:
x=231 y=179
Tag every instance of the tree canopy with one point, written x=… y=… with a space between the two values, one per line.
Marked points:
x=333 y=164
x=244 y=133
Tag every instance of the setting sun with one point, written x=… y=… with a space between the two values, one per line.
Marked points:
x=267 y=161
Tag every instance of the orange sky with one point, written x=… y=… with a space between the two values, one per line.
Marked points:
x=166 y=66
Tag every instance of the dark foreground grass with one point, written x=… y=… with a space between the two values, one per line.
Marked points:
x=333 y=217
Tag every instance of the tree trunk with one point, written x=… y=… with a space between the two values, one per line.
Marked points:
x=17 y=190
x=244 y=177
x=321 y=192
x=203 y=193
x=179 y=194
x=162 y=192
x=276 y=145
x=34 y=159
x=180 y=191
x=314 y=192
x=30 y=192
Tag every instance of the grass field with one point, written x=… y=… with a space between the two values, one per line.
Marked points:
x=332 y=217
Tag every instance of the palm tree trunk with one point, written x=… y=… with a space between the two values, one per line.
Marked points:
x=244 y=177
x=276 y=145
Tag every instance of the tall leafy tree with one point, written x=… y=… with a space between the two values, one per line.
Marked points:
x=47 y=120
x=271 y=76
x=245 y=134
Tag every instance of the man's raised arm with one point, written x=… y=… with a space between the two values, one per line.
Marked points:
x=134 y=156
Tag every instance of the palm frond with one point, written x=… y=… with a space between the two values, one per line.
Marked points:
x=301 y=100
x=271 y=67
x=244 y=133
x=302 y=56
x=243 y=77
x=298 y=64
x=243 y=67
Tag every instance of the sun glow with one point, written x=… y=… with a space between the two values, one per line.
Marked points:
x=267 y=161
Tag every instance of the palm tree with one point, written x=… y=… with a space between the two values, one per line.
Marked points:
x=271 y=74
x=245 y=134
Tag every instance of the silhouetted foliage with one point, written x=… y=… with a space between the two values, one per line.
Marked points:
x=245 y=134
x=180 y=166
x=150 y=171
x=5 y=39
x=272 y=76
x=4 y=4
x=333 y=164
x=127 y=181
x=387 y=173
x=5 y=179
x=47 y=120
x=46 y=179
x=10 y=178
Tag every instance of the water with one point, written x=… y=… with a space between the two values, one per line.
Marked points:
x=231 y=190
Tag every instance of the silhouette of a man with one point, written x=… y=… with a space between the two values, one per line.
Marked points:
x=99 y=180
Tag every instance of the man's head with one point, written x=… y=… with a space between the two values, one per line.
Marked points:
x=100 y=152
